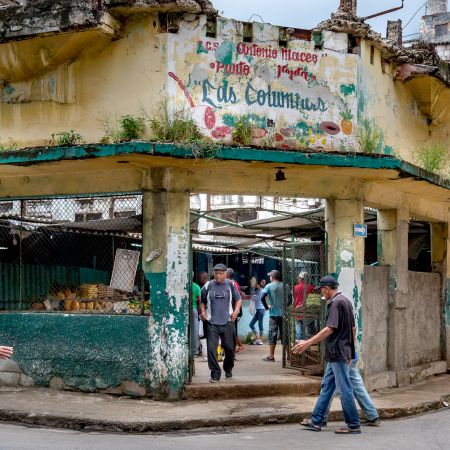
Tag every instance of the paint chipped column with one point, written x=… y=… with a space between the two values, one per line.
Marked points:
x=349 y=255
x=440 y=259
x=166 y=267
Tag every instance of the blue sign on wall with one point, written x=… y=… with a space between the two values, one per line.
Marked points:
x=359 y=229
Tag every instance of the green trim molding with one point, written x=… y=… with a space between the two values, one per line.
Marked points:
x=41 y=155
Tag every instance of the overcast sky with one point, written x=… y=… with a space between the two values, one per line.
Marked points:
x=308 y=13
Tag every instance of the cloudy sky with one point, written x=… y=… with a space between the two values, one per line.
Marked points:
x=308 y=13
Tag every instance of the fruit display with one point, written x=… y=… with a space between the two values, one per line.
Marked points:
x=92 y=298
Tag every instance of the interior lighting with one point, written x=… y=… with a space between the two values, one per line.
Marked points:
x=280 y=176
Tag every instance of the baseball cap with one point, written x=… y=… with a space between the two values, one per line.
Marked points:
x=275 y=273
x=220 y=267
x=327 y=281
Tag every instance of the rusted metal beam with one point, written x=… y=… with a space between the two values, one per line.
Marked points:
x=382 y=13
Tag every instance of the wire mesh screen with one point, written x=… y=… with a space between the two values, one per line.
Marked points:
x=73 y=254
x=303 y=266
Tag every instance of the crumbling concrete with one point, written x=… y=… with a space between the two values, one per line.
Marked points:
x=19 y=21
x=394 y=32
x=390 y=49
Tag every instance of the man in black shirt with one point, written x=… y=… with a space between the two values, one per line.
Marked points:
x=339 y=351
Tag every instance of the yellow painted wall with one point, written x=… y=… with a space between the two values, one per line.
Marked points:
x=400 y=109
x=133 y=72
x=109 y=78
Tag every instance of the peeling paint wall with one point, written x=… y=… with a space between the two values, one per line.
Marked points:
x=102 y=81
x=399 y=111
x=166 y=228
x=293 y=96
x=93 y=353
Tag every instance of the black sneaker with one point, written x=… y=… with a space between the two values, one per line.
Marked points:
x=372 y=423
x=228 y=374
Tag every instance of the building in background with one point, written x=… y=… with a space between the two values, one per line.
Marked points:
x=435 y=27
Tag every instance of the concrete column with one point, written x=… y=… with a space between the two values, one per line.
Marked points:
x=393 y=228
x=348 y=252
x=440 y=259
x=166 y=266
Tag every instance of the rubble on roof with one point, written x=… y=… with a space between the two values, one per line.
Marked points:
x=418 y=54
x=22 y=19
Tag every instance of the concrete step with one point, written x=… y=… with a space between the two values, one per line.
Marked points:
x=230 y=389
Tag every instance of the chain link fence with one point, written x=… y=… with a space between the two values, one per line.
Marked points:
x=303 y=266
x=74 y=254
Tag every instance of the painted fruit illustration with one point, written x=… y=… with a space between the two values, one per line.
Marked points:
x=210 y=118
x=346 y=122
x=330 y=128
x=220 y=132
x=258 y=133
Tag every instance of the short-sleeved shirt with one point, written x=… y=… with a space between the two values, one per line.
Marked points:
x=276 y=298
x=196 y=292
x=257 y=296
x=340 y=345
x=299 y=295
x=219 y=299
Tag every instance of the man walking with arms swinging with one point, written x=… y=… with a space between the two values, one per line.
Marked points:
x=339 y=352
x=219 y=309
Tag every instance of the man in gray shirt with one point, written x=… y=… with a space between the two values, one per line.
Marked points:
x=219 y=309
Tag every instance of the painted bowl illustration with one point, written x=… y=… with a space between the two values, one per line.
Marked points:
x=330 y=127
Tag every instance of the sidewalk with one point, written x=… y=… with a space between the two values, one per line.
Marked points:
x=95 y=412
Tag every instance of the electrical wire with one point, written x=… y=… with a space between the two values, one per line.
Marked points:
x=414 y=15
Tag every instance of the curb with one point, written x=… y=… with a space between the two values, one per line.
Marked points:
x=80 y=424
x=251 y=390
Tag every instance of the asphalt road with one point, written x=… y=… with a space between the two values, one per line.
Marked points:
x=431 y=431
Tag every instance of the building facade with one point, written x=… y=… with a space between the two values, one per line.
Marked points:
x=341 y=111
x=435 y=27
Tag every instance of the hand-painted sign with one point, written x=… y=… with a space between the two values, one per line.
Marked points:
x=293 y=97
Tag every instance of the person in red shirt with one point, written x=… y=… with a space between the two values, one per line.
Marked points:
x=301 y=292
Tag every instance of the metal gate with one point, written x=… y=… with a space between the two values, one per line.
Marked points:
x=304 y=312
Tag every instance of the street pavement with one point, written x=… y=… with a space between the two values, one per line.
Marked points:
x=427 y=432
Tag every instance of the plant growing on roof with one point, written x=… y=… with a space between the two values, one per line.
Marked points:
x=67 y=138
x=346 y=122
x=176 y=127
x=124 y=128
x=432 y=156
x=243 y=131
x=8 y=147
x=131 y=127
x=368 y=137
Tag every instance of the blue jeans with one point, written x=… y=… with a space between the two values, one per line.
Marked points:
x=258 y=317
x=337 y=374
x=298 y=329
x=360 y=393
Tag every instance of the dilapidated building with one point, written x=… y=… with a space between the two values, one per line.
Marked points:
x=435 y=27
x=339 y=110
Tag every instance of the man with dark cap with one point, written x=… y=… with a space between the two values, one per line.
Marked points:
x=339 y=352
x=274 y=290
x=219 y=309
